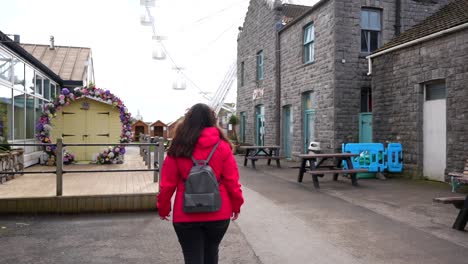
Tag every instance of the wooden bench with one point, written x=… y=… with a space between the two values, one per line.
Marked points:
x=460 y=203
x=459 y=178
x=269 y=158
x=319 y=173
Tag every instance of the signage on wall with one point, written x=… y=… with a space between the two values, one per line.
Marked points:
x=257 y=93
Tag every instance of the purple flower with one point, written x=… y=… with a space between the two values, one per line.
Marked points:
x=65 y=91
x=122 y=151
x=39 y=127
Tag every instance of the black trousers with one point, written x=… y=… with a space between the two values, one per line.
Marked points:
x=200 y=240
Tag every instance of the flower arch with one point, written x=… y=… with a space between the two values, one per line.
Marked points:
x=49 y=111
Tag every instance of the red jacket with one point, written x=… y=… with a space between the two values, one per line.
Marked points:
x=224 y=166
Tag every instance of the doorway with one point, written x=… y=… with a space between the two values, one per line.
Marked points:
x=435 y=131
x=260 y=125
x=287 y=131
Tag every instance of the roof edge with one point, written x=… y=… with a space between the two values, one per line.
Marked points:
x=421 y=39
x=16 y=48
x=312 y=8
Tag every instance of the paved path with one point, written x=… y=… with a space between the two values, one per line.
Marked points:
x=288 y=222
x=282 y=221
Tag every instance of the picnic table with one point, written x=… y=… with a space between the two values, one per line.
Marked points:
x=318 y=167
x=461 y=203
x=254 y=153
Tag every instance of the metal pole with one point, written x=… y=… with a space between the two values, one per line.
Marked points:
x=59 y=164
x=148 y=153
x=156 y=158
x=160 y=156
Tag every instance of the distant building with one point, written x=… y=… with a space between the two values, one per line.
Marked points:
x=26 y=83
x=420 y=93
x=158 y=129
x=138 y=128
x=302 y=70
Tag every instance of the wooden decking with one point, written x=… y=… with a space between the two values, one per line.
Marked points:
x=82 y=192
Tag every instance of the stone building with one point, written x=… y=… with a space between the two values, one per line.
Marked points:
x=420 y=92
x=302 y=70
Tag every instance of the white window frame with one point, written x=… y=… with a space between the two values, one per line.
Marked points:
x=309 y=43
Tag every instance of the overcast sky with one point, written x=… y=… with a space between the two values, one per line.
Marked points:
x=201 y=38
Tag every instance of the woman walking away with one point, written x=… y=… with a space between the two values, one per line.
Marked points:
x=207 y=195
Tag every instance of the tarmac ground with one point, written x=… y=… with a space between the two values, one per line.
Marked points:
x=282 y=221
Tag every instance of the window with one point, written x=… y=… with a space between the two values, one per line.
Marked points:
x=260 y=65
x=242 y=74
x=18 y=75
x=370 y=30
x=19 y=115
x=366 y=100
x=309 y=38
x=39 y=85
x=5 y=66
x=435 y=91
x=6 y=115
x=47 y=89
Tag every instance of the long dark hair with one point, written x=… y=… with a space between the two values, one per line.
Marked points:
x=188 y=131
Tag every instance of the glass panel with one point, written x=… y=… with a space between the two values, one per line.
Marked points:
x=18 y=75
x=47 y=89
x=308 y=34
x=260 y=110
x=6 y=114
x=364 y=19
x=374 y=40
x=310 y=128
x=260 y=66
x=435 y=91
x=309 y=101
x=29 y=79
x=39 y=85
x=5 y=66
x=374 y=20
x=52 y=91
x=364 y=41
x=19 y=115
x=30 y=120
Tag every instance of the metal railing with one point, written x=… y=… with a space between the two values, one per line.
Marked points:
x=60 y=171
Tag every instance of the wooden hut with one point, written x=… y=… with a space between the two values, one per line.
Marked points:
x=87 y=120
x=139 y=127
x=158 y=129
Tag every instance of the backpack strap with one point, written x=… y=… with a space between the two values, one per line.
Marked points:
x=209 y=156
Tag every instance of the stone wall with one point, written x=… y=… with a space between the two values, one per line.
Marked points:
x=351 y=66
x=317 y=77
x=336 y=77
x=258 y=33
x=398 y=79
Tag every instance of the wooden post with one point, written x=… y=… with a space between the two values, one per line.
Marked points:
x=59 y=165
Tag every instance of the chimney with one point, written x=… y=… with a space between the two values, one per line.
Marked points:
x=52 y=46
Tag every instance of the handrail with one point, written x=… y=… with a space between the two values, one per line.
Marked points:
x=158 y=155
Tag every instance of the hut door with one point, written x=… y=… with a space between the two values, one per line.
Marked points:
x=98 y=128
x=74 y=129
x=435 y=132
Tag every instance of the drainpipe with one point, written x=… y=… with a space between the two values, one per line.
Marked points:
x=278 y=88
x=414 y=42
x=397 y=17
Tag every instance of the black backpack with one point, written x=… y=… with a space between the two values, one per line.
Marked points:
x=202 y=188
